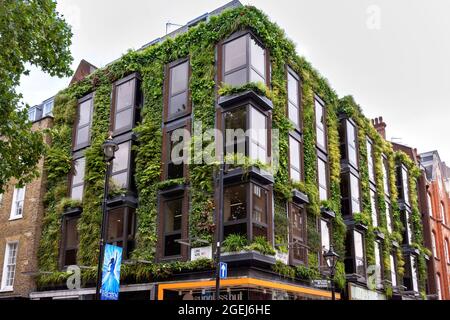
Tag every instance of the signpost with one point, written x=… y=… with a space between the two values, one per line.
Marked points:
x=223 y=270
x=323 y=284
x=111 y=273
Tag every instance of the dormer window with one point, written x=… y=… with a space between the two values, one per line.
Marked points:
x=244 y=60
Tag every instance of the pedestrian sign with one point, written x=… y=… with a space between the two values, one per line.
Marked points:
x=223 y=270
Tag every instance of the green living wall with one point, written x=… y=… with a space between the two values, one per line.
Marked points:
x=199 y=44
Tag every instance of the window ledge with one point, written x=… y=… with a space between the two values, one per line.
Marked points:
x=6 y=289
x=327 y=213
x=299 y=197
x=73 y=211
x=15 y=218
x=261 y=101
x=236 y=174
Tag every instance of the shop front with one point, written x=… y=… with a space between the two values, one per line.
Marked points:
x=240 y=289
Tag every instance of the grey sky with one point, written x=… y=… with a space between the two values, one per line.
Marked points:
x=400 y=71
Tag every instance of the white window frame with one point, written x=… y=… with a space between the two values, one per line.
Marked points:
x=393 y=271
x=47 y=112
x=4 y=287
x=14 y=207
x=433 y=244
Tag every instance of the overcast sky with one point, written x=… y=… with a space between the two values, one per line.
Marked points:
x=392 y=56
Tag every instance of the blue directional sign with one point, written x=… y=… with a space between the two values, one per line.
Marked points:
x=223 y=270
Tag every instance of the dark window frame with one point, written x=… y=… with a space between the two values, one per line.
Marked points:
x=248 y=105
x=385 y=165
x=298 y=243
x=221 y=57
x=71 y=176
x=301 y=171
x=345 y=144
x=167 y=91
x=64 y=248
x=76 y=147
x=163 y=198
x=324 y=148
x=126 y=239
x=364 y=258
x=350 y=197
x=166 y=147
x=248 y=220
x=329 y=224
x=290 y=71
x=130 y=168
x=373 y=165
x=137 y=101
x=324 y=158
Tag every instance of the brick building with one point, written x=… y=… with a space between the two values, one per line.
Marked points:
x=21 y=213
x=437 y=174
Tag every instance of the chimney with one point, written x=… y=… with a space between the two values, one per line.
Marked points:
x=380 y=126
x=83 y=70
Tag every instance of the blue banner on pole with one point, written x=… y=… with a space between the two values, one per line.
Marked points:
x=111 y=273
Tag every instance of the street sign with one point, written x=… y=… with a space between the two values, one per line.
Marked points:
x=223 y=270
x=323 y=284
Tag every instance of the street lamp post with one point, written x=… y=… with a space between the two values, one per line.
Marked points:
x=219 y=229
x=331 y=258
x=109 y=148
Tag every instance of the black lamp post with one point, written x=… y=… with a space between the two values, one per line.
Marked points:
x=109 y=148
x=331 y=258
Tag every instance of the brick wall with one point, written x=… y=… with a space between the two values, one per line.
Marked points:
x=26 y=230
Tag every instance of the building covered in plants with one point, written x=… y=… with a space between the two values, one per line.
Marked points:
x=320 y=175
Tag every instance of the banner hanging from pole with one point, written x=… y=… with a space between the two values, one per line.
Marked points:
x=111 y=273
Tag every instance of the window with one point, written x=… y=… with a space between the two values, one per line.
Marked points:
x=1 y=199
x=244 y=61
x=385 y=175
x=178 y=90
x=393 y=271
x=438 y=283
x=320 y=124
x=388 y=218
x=173 y=215
x=405 y=189
x=325 y=235
x=299 y=250
x=293 y=86
x=378 y=259
x=121 y=166
x=447 y=257
x=294 y=159
x=241 y=199
x=430 y=204
x=236 y=125
x=126 y=98
x=9 y=266
x=359 y=253
x=32 y=113
x=83 y=124
x=443 y=217
x=370 y=160
x=18 y=203
x=433 y=244
x=350 y=194
x=322 y=179
x=258 y=136
x=408 y=235
x=373 y=203
x=415 y=284
x=70 y=241
x=120 y=228
x=48 y=108
x=351 y=144
x=77 y=185
x=176 y=157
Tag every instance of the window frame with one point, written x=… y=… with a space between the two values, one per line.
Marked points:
x=322 y=250
x=443 y=213
x=393 y=269
x=71 y=176
x=363 y=245
x=345 y=143
x=167 y=91
x=298 y=243
x=324 y=159
x=325 y=127
x=163 y=198
x=64 y=248
x=137 y=99
x=14 y=204
x=127 y=214
x=166 y=147
x=386 y=175
x=378 y=243
x=248 y=65
x=130 y=168
x=301 y=170
x=434 y=245
x=290 y=71
x=248 y=105
x=350 y=198
x=374 y=206
x=45 y=104
x=5 y=277
x=248 y=220
x=371 y=160
x=76 y=127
